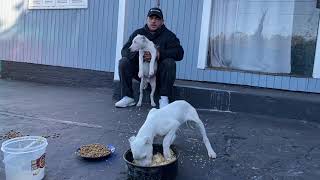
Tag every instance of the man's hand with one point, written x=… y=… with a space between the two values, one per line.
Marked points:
x=147 y=56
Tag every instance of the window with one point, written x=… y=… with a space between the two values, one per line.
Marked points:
x=277 y=37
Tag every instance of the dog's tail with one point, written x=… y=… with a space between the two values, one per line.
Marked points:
x=190 y=125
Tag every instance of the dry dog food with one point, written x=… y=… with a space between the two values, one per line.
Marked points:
x=94 y=151
x=10 y=135
x=158 y=159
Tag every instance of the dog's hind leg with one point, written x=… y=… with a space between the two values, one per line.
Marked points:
x=141 y=92
x=140 y=73
x=193 y=115
x=152 y=62
x=206 y=141
x=153 y=89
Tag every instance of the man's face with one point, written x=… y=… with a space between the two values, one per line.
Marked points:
x=154 y=23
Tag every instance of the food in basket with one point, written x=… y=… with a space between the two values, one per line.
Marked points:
x=158 y=159
x=94 y=151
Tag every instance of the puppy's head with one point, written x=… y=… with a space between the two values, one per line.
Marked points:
x=138 y=42
x=142 y=150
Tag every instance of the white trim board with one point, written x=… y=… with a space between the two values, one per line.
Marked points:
x=316 y=64
x=204 y=34
x=120 y=35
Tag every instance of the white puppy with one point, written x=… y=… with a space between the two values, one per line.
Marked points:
x=165 y=122
x=147 y=70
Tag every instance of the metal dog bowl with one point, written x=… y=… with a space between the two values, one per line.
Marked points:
x=163 y=172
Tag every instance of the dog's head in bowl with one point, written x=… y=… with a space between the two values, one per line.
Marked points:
x=141 y=149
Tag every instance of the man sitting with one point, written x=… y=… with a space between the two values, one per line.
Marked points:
x=169 y=51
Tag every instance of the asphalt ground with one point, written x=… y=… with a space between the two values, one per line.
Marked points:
x=248 y=146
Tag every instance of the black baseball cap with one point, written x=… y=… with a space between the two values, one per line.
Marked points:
x=155 y=12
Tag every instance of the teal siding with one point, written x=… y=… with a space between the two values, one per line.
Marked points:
x=79 y=38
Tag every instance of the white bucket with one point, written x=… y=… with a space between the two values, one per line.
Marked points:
x=24 y=157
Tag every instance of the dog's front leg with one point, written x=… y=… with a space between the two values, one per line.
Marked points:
x=141 y=91
x=167 y=141
x=153 y=81
x=153 y=60
x=140 y=74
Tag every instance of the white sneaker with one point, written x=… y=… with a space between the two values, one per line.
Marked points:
x=125 y=102
x=164 y=100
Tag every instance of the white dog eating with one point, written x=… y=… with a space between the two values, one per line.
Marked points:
x=165 y=122
x=147 y=70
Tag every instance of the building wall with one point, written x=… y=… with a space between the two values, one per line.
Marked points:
x=79 y=38
x=183 y=17
x=86 y=39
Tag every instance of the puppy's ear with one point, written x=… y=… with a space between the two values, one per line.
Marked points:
x=147 y=140
x=131 y=139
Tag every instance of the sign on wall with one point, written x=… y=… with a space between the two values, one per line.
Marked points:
x=57 y=4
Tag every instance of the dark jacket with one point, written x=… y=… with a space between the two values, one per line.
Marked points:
x=165 y=40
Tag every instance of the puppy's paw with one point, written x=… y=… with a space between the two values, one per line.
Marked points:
x=212 y=154
x=167 y=156
x=151 y=73
x=140 y=74
x=139 y=104
x=153 y=104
